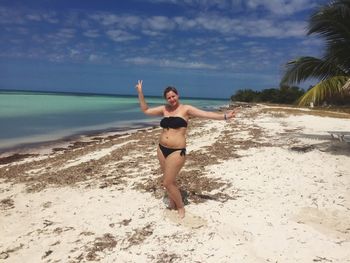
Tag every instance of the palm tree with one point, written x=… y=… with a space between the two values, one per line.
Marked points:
x=332 y=23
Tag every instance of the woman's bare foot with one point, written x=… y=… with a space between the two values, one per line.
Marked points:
x=181 y=212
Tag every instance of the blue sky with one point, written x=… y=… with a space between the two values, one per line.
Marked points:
x=206 y=48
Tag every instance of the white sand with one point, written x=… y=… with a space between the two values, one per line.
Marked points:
x=290 y=206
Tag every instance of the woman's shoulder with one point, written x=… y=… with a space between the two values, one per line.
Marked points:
x=187 y=110
x=186 y=106
x=162 y=107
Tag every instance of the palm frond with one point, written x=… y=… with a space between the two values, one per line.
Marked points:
x=309 y=67
x=333 y=86
x=347 y=85
x=339 y=54
x=332 y=23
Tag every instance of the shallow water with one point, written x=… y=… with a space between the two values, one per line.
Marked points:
x=30 y=117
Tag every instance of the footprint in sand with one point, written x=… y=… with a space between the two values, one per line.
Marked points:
x=333 y=223
x=190 y=220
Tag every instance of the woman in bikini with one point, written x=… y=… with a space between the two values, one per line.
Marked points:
x=171 y=150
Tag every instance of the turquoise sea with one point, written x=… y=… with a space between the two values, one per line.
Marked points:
x=33 y=117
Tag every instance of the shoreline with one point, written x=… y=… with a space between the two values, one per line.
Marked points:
x=46 y=145
x=51 y=123
x=259 y=188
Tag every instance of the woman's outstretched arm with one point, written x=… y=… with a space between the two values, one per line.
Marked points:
x=143 y=105
x=195 y=112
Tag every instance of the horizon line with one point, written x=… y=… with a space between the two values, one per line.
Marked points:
x=81 y=93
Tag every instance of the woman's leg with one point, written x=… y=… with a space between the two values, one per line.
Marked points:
x=172 y=166
x=161 y=159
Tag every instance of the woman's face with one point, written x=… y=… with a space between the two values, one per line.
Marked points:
x=172 y=98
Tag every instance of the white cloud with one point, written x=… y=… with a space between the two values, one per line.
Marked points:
x=21 y=30
x=66 y=33
x=93 y=57
x=310 y=41
x=278 y=7
x=91 y=33
x=56 y=57
x=130 y=21
x=33 y=17
x=23 y=16
x=186 y=65
x=124 y=27
x=61 y=37
x=10 y=16
x=185 y=23
x=204 y=4
x=270 y=28
x=259 y=50
x=249 y=27
x=120 y=35
x=109 y=19
x=105 y=19
x=74 y=52
x=151 y=33
x=98 y=58
x=202 y=40
x=150 y=25
x=159 y=23
x=50 y=17
x=169 y=63
x=282 y=7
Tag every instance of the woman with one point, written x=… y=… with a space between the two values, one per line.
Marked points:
x=171 y=150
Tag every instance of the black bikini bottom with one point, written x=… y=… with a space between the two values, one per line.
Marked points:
x=166 y=151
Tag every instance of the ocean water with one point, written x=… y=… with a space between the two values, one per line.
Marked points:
x=32 y=117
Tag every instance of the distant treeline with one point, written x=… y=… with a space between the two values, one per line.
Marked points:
x=284 y=95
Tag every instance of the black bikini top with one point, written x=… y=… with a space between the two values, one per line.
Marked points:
x=173 y=122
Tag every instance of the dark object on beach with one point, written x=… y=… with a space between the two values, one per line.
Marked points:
x=15 y=157
x=184 y=196
x=4 y=255
x=59 y=149
x=304 y=148
x=207 y=197
x=47 y=253
x=80 y=144
x=88 y=170
x=7 y=203
x=240 y=104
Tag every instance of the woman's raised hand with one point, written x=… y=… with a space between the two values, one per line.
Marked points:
x=231 y=114
x=139 y=86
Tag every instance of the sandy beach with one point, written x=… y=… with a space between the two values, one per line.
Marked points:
x=270 y=186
